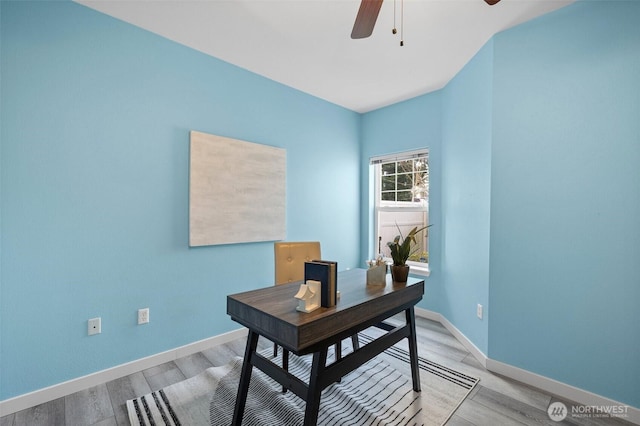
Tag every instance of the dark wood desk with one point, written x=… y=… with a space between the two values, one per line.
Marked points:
x=271 y=312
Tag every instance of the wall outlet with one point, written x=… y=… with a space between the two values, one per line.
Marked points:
x=143 y=316
x=94 y=326
x=479 y=311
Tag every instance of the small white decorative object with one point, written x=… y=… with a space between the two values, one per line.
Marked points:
x=308 y=296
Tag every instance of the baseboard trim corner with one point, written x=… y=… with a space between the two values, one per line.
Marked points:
x=468 y=344
x=427 y=314
x=41 y=396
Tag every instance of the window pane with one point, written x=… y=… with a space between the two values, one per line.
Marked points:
x=388 y=196
x=405 y=182
x=421 y=194
x=421 y=186
x=405 y=196
x=388 y=168
x=389 y=183
x=405 y=166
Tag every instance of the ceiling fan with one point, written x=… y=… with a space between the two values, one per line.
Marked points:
x=368 y=14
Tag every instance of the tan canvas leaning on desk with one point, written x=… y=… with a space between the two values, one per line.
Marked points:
x=290 y=258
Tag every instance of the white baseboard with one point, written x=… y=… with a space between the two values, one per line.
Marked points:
x=60 y=390
x=546 y=384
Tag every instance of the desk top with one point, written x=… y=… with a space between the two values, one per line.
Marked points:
x=271 y=311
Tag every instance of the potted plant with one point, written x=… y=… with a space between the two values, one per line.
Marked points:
x=401 y=248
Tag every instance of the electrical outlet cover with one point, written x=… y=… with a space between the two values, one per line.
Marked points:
x=143 y=316
x=94 y=326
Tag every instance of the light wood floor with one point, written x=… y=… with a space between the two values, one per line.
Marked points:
x=496 y=401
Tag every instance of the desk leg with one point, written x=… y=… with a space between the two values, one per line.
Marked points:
x=338 y=356
x=315 y=389
x=245 y=378
x=413 y=348
x=355 y=342
x=285 y=364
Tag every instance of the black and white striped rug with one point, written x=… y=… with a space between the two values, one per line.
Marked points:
x=378 y=393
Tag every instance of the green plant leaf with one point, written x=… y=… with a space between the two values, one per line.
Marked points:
x=401 y=248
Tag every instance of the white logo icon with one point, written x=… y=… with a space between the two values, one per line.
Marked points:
x=557 y=411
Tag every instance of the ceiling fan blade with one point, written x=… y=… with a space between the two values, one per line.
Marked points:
x=491 y=2
x=366 y=18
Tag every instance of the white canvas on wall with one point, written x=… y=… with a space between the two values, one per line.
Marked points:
x=237 y=191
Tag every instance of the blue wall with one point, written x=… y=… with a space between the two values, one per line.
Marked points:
x=94 y=173
x=565 y=198
x=466 y=186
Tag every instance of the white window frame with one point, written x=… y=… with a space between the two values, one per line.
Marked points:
x=417 y=268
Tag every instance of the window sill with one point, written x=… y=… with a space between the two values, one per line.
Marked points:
x=420 y=270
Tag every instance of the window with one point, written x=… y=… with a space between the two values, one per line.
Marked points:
x=402 y=202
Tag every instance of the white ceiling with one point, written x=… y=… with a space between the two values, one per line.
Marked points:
x=306 y=44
